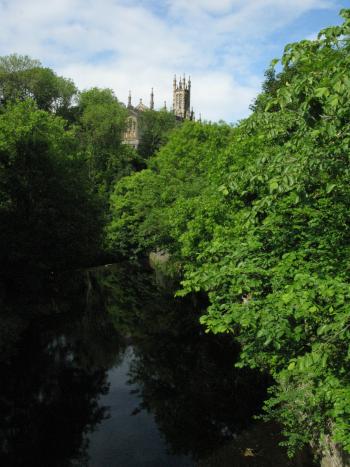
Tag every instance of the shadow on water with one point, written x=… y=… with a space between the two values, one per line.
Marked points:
x=54 y=357
x=89 y=361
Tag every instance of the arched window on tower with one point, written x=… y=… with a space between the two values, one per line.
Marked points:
x=129 y=125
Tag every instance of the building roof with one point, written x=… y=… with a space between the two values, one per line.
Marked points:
x=141 y=106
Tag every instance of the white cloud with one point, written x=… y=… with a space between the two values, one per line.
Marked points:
x=136 y=44
x=219 y=94
x=259 y=17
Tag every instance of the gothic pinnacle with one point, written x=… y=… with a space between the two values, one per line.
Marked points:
x=152 y=100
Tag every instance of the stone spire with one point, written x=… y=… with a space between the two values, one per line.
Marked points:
x=174 y=92
x=151 y=105
x=129 y=100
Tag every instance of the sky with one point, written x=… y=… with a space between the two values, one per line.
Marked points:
x=225 y=45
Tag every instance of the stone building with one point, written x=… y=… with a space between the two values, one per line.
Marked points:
x=181 y=109
x=182 y=99
x=132 y=134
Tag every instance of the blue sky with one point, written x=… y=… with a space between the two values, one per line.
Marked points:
x=225 y=45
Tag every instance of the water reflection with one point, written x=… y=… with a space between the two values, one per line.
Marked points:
x=54 y=357
x=186 y=379
x=65 y=342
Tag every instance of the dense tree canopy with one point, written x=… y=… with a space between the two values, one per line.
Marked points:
x=101 y=122
x=150 y=209
x=22 y=77
x=60 y=152
x=154 y=129
x=47 y=215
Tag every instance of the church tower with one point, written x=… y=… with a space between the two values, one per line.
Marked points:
x=182 y=98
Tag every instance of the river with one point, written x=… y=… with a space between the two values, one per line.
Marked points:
x=105 y=368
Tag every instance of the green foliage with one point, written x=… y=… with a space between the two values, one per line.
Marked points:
x=101 y=122
x=48 y=217
x=259 y=217
x=56 y=174
x=150 y=209
x=24 y=78
x=154 y=129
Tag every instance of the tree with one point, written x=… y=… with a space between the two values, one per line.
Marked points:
x=275 y=266
x=101 y=122
x=48 y=217
x=154 y=129
x=22 y=77
x=150 y=209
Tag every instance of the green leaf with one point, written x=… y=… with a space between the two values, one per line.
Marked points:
x=333 y=101
x=322 y=92
x=330 y=187
x=273 y=185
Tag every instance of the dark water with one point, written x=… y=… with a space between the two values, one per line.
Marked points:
x=104 y=369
